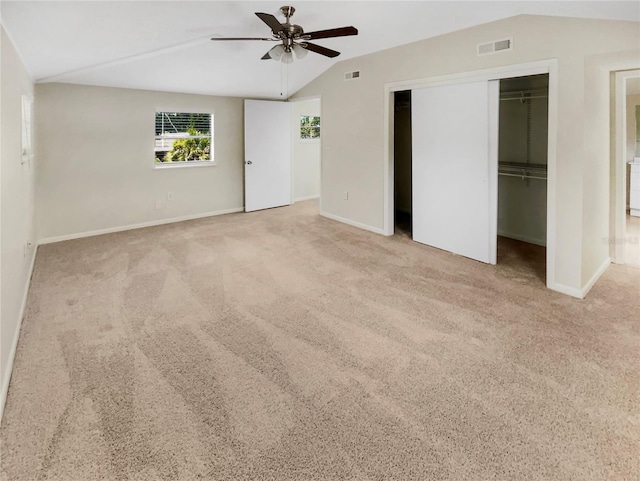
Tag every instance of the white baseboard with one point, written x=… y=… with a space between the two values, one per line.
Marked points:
x=569 y=291
x=301 y=199
x=111 y=230
x=582 y=293
x=377 y=230
x=523 y=238
x=6 y=375
x=596 y=275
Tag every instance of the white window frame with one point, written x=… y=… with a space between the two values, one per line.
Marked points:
x=191 y=163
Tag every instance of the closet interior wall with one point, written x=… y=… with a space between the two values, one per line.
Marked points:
x=522 y=159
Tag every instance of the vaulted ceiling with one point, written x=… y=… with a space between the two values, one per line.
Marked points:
x=164 y=45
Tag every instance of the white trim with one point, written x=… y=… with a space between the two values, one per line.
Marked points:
x=582 y=293
x=111 y=230
x=493 y=87
x=569 y=291
x=594 y=278
x=183 y=164
x=552 y=183
x=310 y=197
x=6 y=375
x=549 y=66
x=353 y=223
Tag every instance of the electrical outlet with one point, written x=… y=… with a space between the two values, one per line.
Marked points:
x=169 y=195
x=345 y=195
x=158 y=204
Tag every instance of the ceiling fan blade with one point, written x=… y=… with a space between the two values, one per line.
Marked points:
x=244 y=38
x=332 y=32
x=327 y=52
x=270 y=20
x=266 y=56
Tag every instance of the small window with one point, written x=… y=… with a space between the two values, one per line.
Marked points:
x=309 y=127
x=183 y=137
x=27 y=130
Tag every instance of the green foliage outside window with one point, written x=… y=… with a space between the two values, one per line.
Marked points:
x=190 y=148
x=309 y=127
x=183 y=137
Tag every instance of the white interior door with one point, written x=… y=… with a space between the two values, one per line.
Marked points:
x=267 y=147
x=455 y=168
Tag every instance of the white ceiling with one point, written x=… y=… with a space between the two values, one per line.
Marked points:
x=164 y=45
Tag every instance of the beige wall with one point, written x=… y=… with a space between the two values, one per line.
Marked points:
x=305 y=154
x=353 y=155
x=16 y=209
x=596 y=156
x=96 y=166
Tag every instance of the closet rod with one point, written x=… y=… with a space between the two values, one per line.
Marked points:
x=526 y=98
x=522 y=176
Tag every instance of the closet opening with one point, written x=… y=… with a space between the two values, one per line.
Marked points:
x=402 y=163
x=522 y=173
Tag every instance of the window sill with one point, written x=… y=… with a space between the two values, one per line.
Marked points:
x=183 y=165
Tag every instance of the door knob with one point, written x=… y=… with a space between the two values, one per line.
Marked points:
x=249 y=162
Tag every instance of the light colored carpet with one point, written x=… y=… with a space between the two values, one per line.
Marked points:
x=632 y=241
x=279 y=345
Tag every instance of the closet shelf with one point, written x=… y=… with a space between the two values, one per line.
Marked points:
x=524 y=95
x=523 y=170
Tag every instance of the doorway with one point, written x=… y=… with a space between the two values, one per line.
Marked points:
x=524 y=217
x=625 y=188
x=522 y=173
x=402 y=162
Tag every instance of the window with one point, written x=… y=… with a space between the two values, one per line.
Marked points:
x=27 y=130
x=309 y=127
x=184 y=137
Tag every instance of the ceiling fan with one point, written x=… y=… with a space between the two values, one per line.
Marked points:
x=293 y=38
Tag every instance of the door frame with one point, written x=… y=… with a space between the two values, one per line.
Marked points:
x=293 y=172
x=550 y=67
x=619 y=160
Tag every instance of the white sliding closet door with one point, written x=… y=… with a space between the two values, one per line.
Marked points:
x=455 y=168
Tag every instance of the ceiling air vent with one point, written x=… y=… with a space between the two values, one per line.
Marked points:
x=495 y=46
x=352 y=75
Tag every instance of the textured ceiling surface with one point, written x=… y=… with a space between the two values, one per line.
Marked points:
x=164 y=45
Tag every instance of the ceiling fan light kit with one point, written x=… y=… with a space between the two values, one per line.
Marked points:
x=293 y=38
